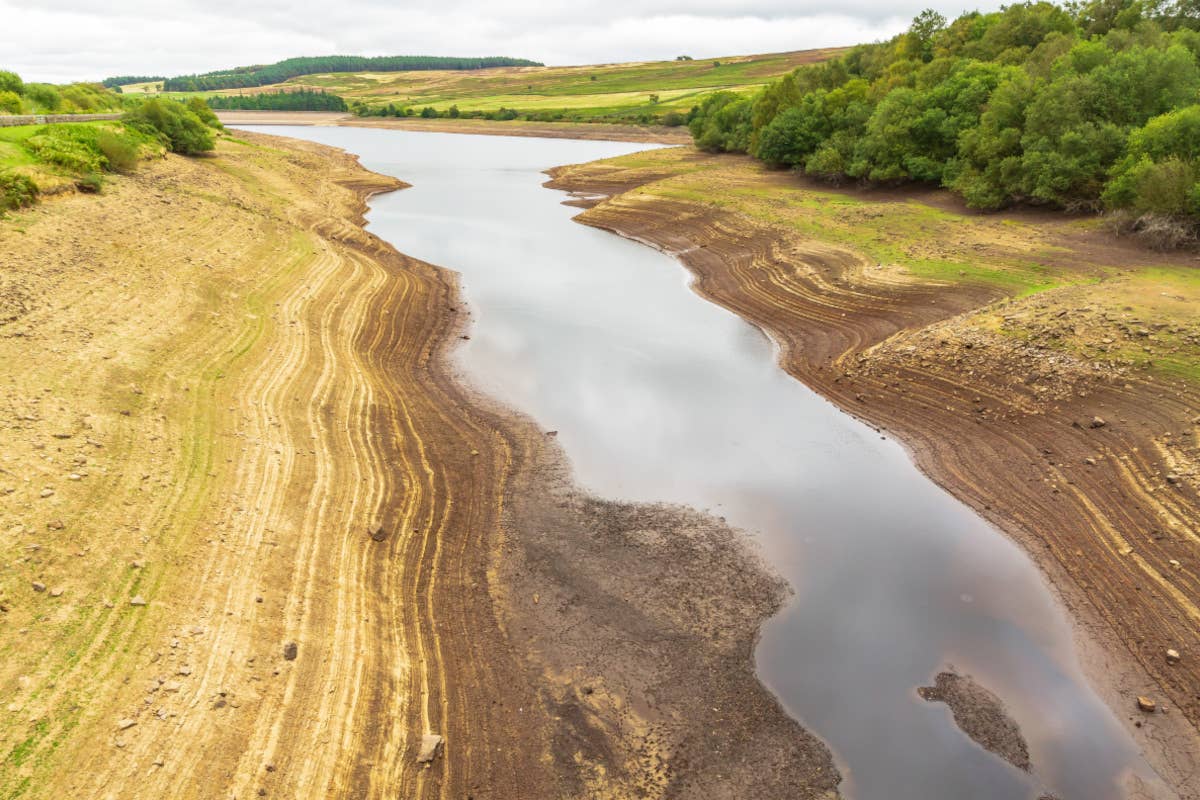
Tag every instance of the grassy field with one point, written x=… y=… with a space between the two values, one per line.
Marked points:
x=593 y=92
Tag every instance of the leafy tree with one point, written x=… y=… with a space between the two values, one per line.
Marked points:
x=173 y=124
x=11 y=82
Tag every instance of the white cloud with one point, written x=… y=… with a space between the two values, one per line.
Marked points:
x=62 y=40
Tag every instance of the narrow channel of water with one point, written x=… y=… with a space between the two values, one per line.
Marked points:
x=660 y=395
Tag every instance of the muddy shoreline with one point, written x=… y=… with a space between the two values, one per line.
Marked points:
x=971 y=430
x=596 y=621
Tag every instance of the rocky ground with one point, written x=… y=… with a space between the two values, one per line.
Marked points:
x=1040 y=370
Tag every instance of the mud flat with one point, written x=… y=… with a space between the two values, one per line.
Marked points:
x=1037 y=369
x=255 y=529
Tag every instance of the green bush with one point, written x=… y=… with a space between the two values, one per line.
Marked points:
x=173 y=124
x=45 y=97
x=10 y=102
x=16 y=191
x=91 y=183
x=121 y=152
x=202 y=110
x=11 y=82
x=72 y=147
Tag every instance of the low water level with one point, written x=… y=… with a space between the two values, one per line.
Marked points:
x=660 y=395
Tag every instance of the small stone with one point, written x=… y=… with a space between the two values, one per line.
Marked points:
x=55 y=525
x=126 y=724
x=158 y=762
x=1091 y=462
x=289 y=651
x=1146 y=704
x=38 y=586
x=57 y=591
x=1173 y=479
x=185 y=670
x=75 y=476
x=137 y=600
x=377 y=533
x=172 y=686
x=430 y=743
x=47 y=492
x=1097 y=422
x=1173 y=656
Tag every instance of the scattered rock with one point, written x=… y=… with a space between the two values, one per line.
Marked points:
x=55 y=525
x=47 y=492
x=137 y=600
x=172 y=686
x=289 y=651
x=430 y=743
x=1173 y=479
x=1091 y=462
x=126 y=724
x=1146 y=704
x=185 y=670
x=1173 y=656
x=1097 y=422
x=38 y=586
x=57 y=591
x=377 y=533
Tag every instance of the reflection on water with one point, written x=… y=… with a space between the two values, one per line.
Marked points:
x=659 y=395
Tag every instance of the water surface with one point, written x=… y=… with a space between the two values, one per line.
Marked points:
x=659 y=395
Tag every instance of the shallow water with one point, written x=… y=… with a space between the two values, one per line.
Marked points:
x=660 y=395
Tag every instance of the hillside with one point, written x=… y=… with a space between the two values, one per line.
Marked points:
x=638 y=92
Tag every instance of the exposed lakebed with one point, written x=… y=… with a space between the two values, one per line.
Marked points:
x=659 y=395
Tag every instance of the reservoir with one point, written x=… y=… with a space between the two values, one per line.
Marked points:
x=659 y=395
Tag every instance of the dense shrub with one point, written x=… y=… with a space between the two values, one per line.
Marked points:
x=11 y=82
x=121 y=152
x=174 y=124
x=16 y=191
x=72 y=147
x=10 y=102
x=204 y=113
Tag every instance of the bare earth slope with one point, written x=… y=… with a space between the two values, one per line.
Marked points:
x=257 y=541
x=1008 y=354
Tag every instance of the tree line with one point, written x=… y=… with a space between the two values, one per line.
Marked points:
x=264 y=74
x=300 y=100
x=125 y=80
x=1088 y=106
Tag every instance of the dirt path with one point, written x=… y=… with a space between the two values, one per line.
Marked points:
x=1070 y=456
x=258 y=541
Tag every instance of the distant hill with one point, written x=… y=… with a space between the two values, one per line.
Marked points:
x=639 y=92
x=264 y=74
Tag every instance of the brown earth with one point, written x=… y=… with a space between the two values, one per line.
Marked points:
x=1029 y=407
x=256 y=540
x=544 y=130
x=981 y=715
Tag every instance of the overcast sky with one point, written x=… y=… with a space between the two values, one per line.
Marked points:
x=62 y=40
